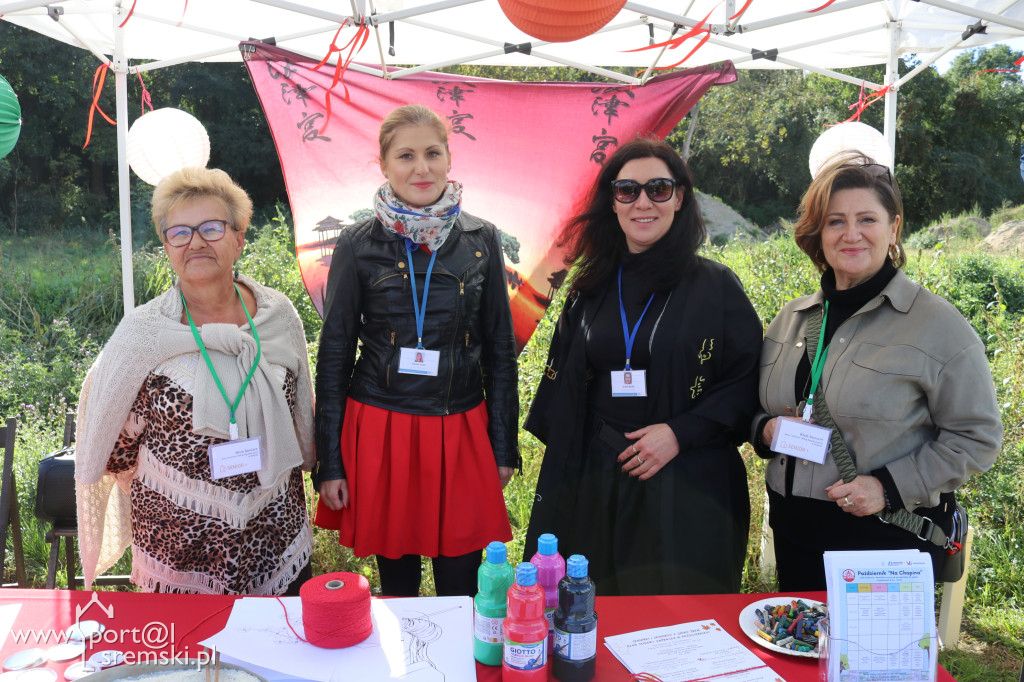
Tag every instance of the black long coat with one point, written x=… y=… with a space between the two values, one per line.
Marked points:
x=704 y=360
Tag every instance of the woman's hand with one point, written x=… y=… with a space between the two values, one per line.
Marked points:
x=768 y=432
x=335 y=493
x=862 y=496
x=654 y=447
x=505 y=473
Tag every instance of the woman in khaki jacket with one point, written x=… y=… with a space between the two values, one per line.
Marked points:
x=893 y=369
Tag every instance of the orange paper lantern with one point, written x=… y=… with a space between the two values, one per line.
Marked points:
x=560 y=21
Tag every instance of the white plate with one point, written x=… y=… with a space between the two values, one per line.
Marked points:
x=748 y=620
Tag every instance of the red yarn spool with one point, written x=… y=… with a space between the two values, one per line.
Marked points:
x=336 y=610
x=560 y=21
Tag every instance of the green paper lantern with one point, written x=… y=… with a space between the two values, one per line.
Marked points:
x=10 y=118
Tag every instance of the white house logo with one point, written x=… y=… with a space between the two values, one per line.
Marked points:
x=95 y=601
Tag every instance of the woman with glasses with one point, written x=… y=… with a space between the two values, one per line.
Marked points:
x=647 y=390
x=196 y=420
x=888 y=381
x=416 y=437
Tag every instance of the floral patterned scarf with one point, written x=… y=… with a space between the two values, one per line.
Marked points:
x=428 y=225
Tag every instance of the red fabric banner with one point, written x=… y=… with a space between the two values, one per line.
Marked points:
x=525 y=152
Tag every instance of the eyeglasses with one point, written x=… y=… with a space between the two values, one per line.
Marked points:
x=658 y=190
x=209 y=230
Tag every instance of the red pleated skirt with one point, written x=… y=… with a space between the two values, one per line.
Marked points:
x=417 y=484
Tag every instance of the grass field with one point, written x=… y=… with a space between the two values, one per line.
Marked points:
x=60 y=298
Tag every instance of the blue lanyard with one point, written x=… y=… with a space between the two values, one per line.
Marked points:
x=630 y=337
x=420 y=311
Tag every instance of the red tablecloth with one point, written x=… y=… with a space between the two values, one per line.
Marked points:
x=171 y=625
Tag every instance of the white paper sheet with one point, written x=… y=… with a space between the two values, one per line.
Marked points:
x=764 y=674
x=684 y=652
x=8 y=612
x=416 y=640
x=881 y=616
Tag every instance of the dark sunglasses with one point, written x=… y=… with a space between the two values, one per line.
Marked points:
x=658 y=190
x=879 y=170
x=209 y=230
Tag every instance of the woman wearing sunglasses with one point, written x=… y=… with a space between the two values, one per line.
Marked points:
x=642 y=476
x=417 y=436
x=195 y=422
x=887 y=378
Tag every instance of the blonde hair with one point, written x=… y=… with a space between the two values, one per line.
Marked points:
x=191 y=184
x=410 y=115
x=851 y=170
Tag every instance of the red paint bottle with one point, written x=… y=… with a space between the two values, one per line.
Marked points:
x=525 y=653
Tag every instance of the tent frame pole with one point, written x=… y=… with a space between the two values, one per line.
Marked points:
x=892 y=74
x=120 y=67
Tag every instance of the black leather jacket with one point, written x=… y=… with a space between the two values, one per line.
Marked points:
x=369 y=299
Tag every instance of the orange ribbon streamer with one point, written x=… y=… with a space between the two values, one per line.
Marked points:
x=98 y=79
x=354 y=46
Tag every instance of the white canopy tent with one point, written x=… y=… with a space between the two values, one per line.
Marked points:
x=757 y=34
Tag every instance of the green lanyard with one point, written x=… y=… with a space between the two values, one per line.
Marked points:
x=817 y=366
x=233 y=428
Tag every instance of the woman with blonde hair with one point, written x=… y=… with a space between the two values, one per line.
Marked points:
x=195 y=421
x=416 y=438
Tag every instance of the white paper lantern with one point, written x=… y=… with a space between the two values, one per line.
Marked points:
x=852 y=136
x=166 y=140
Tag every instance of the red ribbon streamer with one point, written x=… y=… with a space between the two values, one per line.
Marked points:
x=98 y=79
x=999 y=70
x=673 y=43
x=690 y=53
x=742 y=10
x=863 y=103
x=818 y=9
x=147 y=99
x=130 y=12
x=354 y=46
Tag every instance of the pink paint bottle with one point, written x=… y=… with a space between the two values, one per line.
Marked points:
x=550 y=570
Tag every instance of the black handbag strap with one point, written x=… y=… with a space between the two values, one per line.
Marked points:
x=921 y=526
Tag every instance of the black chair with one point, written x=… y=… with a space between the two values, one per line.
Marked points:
x=68 y=530
x=9 y=507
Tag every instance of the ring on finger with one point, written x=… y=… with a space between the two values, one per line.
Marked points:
x=633 y=446
x=639 y=460
x=848 y=503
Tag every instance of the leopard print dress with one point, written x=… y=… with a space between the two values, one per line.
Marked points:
x=191 y=533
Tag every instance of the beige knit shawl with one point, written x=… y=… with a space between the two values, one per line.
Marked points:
x=146 y=337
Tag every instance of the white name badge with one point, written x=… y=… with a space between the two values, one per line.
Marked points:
x=801 y=439
x=236 y=457
x=629 y=384
x=419 y=361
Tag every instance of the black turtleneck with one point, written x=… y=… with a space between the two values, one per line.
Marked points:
x=606 y=346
